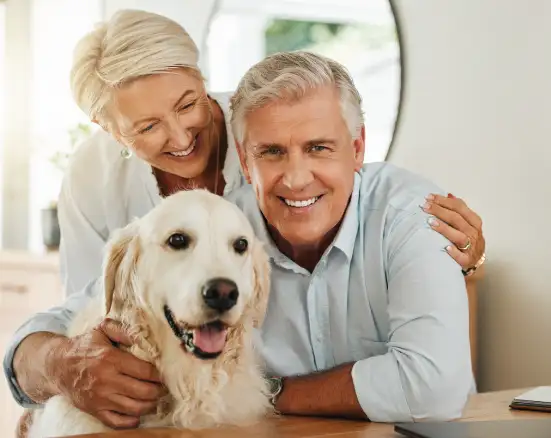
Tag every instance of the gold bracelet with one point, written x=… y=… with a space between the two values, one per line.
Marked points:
x=471 y=271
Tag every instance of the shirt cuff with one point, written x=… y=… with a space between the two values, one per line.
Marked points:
x=379 y=390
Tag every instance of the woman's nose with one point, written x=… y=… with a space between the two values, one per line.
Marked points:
x=181 y=137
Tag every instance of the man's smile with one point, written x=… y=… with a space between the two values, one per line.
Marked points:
x=300 y=203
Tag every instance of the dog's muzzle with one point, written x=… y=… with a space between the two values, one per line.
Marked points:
x=206 y=341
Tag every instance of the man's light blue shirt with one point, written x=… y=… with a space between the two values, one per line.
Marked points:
x=385 y=296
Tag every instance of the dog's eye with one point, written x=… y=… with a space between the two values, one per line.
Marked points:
x=240 y=245
x=178 y=241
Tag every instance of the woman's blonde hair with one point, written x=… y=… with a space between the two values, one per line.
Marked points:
x=292 y=75
x=132 y=44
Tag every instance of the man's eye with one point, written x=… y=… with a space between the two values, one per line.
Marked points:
x=318 y=148
x=273 y=150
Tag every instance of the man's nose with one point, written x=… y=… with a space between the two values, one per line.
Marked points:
x=297 y=173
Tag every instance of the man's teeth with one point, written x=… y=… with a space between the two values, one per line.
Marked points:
x=185 y=153
x=304 y=203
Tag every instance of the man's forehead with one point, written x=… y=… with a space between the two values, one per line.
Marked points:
x=295 y=126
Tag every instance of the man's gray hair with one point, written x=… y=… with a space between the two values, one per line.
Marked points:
x=292 y=75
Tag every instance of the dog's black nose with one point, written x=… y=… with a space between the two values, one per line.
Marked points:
x=220 y=294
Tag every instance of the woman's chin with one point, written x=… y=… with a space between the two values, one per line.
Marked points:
x=192 y=169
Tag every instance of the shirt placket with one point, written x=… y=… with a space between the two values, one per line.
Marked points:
x=318 y=318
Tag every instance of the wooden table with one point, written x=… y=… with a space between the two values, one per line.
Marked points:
x=487 y=406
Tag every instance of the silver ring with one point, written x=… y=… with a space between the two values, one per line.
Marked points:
x=466 y=247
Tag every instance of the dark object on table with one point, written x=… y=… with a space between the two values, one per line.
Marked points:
x=477 y=429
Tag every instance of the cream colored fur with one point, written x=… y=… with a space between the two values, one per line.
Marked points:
x=141 y=274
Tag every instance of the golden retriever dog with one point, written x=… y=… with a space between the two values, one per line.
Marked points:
x=191 y=282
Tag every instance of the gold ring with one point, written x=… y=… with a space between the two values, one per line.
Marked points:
x=466 y=247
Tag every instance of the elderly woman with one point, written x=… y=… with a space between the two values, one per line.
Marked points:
x=137 y=77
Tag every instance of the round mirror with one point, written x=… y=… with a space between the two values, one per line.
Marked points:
x=360 y=34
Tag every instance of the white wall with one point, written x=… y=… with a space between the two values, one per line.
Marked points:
x=475 y=119
x=15 y=138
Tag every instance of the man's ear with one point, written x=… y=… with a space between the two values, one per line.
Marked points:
x=243 y=161
x=261 y=272
x=121 y=256
x=359 y=149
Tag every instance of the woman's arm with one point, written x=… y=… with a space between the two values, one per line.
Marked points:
x=80 y=217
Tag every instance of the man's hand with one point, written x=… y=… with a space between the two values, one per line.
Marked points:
x=104 y=381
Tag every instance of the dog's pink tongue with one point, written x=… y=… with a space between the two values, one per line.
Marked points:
x=209 y=339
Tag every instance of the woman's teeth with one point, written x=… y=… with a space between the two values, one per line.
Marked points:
x=185 y=153
x=299 y=204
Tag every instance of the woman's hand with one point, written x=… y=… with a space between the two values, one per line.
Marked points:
x=112 y=385
x=460 y=225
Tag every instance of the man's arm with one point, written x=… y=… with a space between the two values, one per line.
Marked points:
x=326 y=394
x=426 y=373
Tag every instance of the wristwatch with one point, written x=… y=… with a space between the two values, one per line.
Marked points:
x=471 y=270
x=276 y=386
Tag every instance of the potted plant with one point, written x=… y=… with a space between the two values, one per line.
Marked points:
x=51 y=235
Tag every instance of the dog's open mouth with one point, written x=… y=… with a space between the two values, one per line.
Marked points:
x=205 y=342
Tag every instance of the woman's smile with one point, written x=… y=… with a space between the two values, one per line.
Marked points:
x=185 y=153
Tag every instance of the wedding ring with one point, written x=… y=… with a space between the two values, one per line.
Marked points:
x=466 y=247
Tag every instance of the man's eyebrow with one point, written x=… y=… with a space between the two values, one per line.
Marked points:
x=321 y=140
x=315 y=141
x=266 y=145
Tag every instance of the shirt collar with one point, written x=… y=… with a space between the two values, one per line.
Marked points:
x=261 y=231
x=345 y=240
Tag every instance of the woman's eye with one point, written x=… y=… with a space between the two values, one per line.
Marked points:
x=179 y=241
x=186 y=106
x=147 y=128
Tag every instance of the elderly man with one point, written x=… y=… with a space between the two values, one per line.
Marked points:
x=368 y=316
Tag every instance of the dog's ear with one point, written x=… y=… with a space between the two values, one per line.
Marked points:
x=121 y=256
x=261 y=273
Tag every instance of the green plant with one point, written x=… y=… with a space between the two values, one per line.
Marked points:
x=60 y=159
